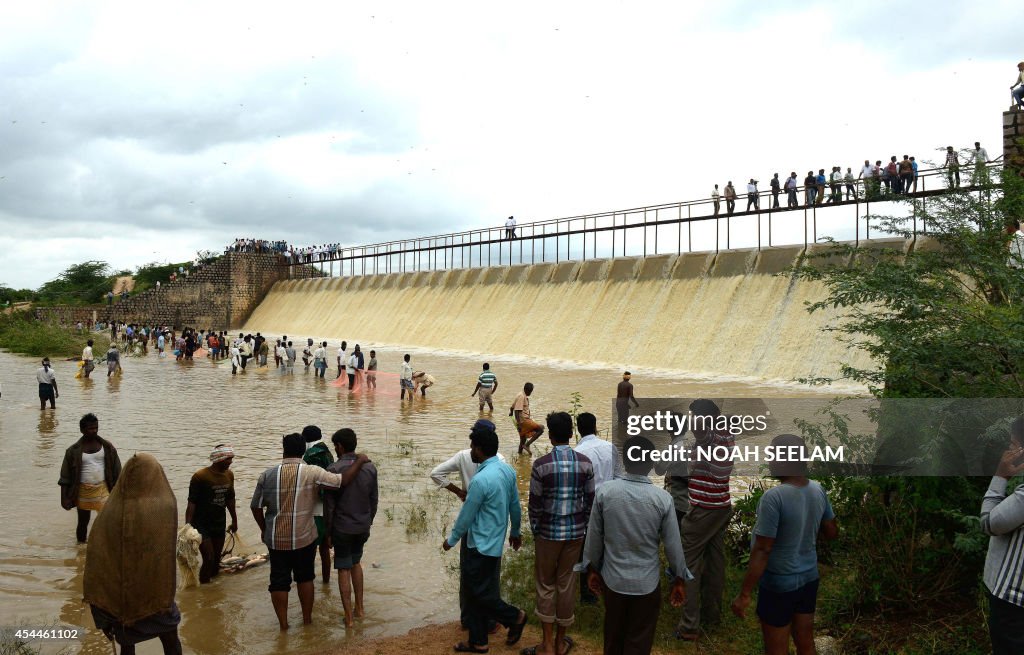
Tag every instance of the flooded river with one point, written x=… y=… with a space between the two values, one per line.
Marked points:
x=177 y=412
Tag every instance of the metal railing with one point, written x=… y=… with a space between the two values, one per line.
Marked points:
x=607 y=234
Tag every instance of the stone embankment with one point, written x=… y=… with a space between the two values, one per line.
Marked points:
x=219 y=295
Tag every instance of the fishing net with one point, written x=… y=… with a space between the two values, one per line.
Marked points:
x=387 y=384
x=130 y=557
x=188 y=557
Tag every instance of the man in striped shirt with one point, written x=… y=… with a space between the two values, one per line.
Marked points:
x=486 y=385
x=703 y=527
x=1002 y=518
x=561 y=495
x=288 y=493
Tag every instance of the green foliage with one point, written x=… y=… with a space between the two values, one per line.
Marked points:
x=945 y=319
x=80 y=284
x=9 y=295
x=20 y=332
x=147 y=275
x=575 y=404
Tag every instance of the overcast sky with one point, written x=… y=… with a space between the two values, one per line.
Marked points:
x=136 y=132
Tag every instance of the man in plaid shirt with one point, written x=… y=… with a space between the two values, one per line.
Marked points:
x=561 y=495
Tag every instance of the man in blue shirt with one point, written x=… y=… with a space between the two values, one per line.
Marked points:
x=492 y=500
x=790 y=519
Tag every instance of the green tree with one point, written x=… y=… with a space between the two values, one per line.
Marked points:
x=79 y=284
x=943 y=320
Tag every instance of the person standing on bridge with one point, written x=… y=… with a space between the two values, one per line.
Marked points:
x=752 y=197
x=730 y=198
x=979 y=157
x=913 y=166
x=835 y=178
x=906 y=169
x=776 y=188
x=791 y=185
x=851 y=184
x=952 y=167
x=715 y=198
x=810 y=188
x=1017 y=90
x=819 y=186
x=510 y=228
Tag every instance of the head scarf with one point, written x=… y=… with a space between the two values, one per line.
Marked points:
x=221 y=453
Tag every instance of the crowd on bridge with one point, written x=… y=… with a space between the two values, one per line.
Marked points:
x=258 y=246
x=870 y=182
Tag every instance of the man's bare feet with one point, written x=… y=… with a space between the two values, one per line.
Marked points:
x=359 y=612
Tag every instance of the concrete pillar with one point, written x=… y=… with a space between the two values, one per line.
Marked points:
x=1013 y=139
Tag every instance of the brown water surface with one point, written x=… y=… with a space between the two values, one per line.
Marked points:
x=178 y=412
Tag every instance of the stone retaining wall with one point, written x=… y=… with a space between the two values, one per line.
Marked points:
x=220 y=295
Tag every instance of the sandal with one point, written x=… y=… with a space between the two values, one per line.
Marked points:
x=529 y=650
x=515 y=632
x=569 y=643
x=463 y=647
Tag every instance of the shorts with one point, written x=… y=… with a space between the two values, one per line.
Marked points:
x=321 y=529
x=406 y=384
x=211 y=532
x=486 y=394
x=45 y=391
x=286 y=564
x=371 y=376
x=88 y=366
x=777 y=608
x=348 y=549
x=527 y=427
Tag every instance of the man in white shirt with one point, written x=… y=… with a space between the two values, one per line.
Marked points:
x=606 y=464
x=510 y=228
x=867 y=175
x=87 y=359
x=47 y=385
x=979 y=157
x=406 y=378
x=342 y=358
x=600 y=452
x=752 y=197
x=463 y=464
x=716 y=198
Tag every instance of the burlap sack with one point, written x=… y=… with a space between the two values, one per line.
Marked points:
x=130 y=562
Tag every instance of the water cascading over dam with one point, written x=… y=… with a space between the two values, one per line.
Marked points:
x=727 y=314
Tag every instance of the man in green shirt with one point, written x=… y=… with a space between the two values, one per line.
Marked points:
x=486 y=385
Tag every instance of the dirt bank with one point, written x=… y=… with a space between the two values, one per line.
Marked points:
x=438 y=639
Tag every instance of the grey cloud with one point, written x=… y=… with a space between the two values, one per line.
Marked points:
x=909 y=36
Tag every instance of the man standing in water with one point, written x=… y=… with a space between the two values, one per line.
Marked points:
x=210 y=492
x=89 y=471
x=318 y=454
x=529 y=430
x=349 y=515
x=282 y=506
x=47 y=385
x=406 y=378
x=486 y=385
x=491 y=503
x=88 y=363
x=623 y=397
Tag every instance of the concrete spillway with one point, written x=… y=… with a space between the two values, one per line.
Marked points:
x=726 y=314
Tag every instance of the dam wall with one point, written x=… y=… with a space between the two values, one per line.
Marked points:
x=731 y=313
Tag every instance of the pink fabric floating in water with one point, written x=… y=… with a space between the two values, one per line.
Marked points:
x=387 y=383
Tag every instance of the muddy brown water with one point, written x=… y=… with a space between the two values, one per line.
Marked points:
x=178 y=412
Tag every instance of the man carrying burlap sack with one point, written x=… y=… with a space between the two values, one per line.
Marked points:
x=130 y=561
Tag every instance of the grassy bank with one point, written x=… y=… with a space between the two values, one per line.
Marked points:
x=22 y=333
x=955 y=627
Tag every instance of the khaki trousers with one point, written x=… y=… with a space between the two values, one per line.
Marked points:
x=556 y=582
